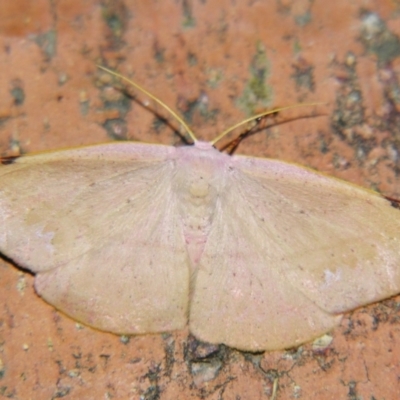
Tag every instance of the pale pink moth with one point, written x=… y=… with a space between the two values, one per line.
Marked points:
x=254 y=253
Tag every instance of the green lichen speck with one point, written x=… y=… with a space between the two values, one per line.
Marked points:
x=188 y=19
x=257 y=93
x=378 y=39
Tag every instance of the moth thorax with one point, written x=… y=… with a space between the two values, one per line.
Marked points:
x=198 y=197
x=198 y=202
x=199 y=189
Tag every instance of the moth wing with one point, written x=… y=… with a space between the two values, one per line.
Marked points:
x=289 y=252
x=98 y=225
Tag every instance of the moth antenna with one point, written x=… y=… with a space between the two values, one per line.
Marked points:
x=185 y=125
x=254 y=117
x=158 y=101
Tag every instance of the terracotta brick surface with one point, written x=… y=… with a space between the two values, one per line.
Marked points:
x=215 y=63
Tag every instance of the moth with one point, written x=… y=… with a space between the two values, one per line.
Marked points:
x=254 y=253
